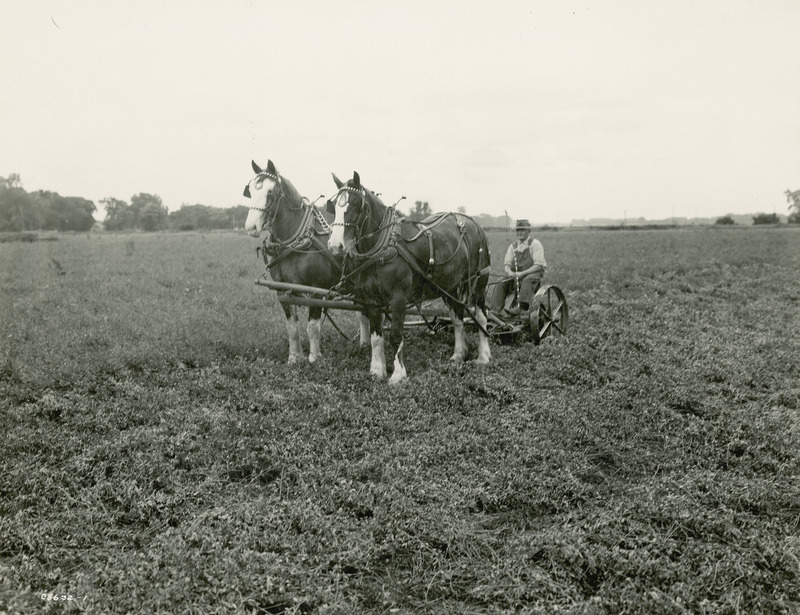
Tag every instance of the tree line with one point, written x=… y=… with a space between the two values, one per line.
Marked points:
x=45 y=210
x=146 y=212
x=42 y=210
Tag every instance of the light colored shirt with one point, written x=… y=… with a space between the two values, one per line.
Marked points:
x=534 y=245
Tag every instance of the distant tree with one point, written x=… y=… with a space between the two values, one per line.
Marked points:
x=205 y=217
x=766 y=219
x=12 y=181
x=794 y=206
x=187 y=218
x=64 y=213
x=421 y=211
x=725 y=220
x=119 y=215
x=238 y=215
x=18 y=211
x=149 y=212
x=152 y=217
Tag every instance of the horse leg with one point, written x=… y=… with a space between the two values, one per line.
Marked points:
x=293 y=330
x=460 y=351
x=396 y=339
x=484 y=350
x=313 y=329
x=378 y=364
x=363 y=340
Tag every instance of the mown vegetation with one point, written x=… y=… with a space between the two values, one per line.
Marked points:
x=159 y=456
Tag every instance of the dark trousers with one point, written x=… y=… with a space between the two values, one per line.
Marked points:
x=527 y=289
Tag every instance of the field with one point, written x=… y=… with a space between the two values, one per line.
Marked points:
x=159 y=456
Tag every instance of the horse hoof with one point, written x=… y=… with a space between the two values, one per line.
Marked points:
x=457 y=358
x=398 y=375
x=295 y=359
x=313 y=358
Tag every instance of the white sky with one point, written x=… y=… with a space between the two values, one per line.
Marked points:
x=551 y=110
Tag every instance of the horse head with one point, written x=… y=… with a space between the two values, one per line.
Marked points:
x=265 y=189
x=362 y=213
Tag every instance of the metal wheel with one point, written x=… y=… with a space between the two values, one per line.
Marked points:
x=553 y=313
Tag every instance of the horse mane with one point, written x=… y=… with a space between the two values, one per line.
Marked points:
x=373 y=198
x=290 y=191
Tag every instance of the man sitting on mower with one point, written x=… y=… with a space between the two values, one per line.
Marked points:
x=524 y=265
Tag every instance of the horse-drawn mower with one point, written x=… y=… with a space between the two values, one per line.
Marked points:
x=548 y=316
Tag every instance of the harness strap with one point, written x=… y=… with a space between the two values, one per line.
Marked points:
x=428 y=223
x=431 y=222
x=305 y=235
x=407 y=256
x=386 y=238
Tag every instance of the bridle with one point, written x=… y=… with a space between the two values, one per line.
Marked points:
x=363 y=216
x=272 y=211
x=347 y=189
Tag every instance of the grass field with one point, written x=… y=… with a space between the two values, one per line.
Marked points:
x=159 y=456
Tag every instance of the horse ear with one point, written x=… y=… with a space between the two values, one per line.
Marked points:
x=256 y=168
x=356 y=179
x=339 y=183
x=271 y=168
x=330 y=207
x=247 y=191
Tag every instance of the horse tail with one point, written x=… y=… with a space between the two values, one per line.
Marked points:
x=486 y=258
x=478 y=279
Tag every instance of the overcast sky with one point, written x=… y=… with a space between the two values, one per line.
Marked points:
x=551 y=110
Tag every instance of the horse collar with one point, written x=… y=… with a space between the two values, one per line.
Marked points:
x=304 y=231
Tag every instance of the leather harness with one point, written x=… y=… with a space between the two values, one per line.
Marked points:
x=306 y=236
x=392 y=243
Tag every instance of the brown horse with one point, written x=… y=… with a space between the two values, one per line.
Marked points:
x=393 y=262
x=295 y=249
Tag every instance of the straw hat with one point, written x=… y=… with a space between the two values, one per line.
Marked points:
x=522 y=224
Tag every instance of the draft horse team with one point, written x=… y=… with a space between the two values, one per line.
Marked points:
x=385 y=261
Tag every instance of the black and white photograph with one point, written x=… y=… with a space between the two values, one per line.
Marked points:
x=366 y=308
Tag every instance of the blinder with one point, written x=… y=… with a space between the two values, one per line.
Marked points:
x=275 y=178
x=333 y=203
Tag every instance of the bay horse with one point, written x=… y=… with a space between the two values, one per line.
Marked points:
x=295 y=250
x=393 y=262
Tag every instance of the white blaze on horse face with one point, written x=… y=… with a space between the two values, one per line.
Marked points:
x=259 y=189
x=336 y=241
